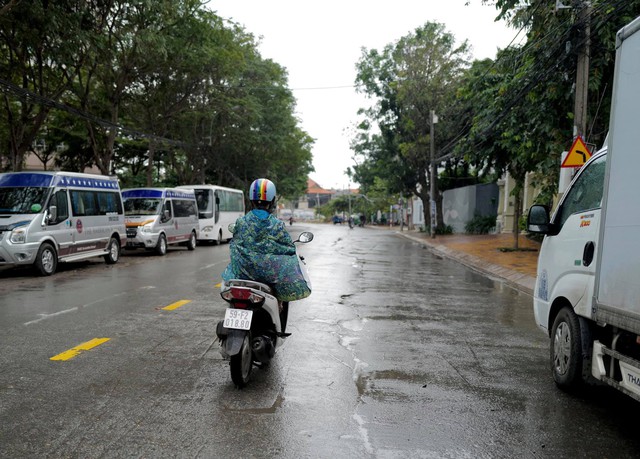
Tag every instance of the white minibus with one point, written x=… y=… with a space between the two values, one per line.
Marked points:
x=156 y=217
x=217 y=208
x=51 y=217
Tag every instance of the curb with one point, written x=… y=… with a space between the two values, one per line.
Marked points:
x=516 y=280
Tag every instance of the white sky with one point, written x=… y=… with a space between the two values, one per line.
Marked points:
x=320 y=42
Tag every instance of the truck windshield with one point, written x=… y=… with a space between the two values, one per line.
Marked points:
x=142 y=206
x=22 y=200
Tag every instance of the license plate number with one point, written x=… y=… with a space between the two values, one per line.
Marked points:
x=239 y=319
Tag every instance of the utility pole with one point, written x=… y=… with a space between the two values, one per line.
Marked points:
x=582 y=73
x=433 y=119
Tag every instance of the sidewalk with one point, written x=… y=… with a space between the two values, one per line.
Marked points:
x=482 y=253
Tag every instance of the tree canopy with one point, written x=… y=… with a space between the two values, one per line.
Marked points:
x=159 y=93
x=510 y=114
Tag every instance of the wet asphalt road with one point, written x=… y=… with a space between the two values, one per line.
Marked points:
x=396 y=354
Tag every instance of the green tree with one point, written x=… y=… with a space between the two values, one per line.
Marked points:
x=522 y=103
x=40 y=46
x=409 y=79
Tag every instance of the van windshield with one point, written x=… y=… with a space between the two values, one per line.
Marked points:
x=22 y=200
x=142 y=206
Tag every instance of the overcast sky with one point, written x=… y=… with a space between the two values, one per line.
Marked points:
x=320 y=42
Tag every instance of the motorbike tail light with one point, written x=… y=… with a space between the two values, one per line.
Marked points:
x=239 y=294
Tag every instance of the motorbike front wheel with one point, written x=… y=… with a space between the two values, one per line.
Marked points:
x=241 y=364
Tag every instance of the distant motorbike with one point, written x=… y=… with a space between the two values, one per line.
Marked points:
x=253 y=326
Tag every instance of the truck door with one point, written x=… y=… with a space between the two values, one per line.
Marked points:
x=570 y=263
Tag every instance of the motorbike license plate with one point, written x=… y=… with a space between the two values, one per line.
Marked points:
x=239 y=319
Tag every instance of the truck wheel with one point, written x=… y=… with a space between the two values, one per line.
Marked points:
x=161 y=246
x=112 y=257
x=566 y=350
x=46 y=260
x=191 y=245
x=241 y=364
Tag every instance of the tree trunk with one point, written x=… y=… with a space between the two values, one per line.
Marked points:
x=517 y=210
x=152 y=154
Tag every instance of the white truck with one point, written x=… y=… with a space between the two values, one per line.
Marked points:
x=587 y=294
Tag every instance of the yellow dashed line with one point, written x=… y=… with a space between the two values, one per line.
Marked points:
x=71 y=353
x=176 y=305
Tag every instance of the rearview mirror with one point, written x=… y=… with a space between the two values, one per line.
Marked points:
x=52 y=216
x=305 y=237
x=538 y=219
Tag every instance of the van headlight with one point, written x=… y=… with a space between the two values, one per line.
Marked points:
x=145 y=229
x=18 y=236
x=18 y=232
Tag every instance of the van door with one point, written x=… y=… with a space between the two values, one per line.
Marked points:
x=60 y=228
x=217 y=206
x=168 y=223
x=567 y=259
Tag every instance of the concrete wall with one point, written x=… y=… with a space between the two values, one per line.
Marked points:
x=461 y=205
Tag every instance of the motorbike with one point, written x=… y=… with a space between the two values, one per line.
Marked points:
x=254 y=324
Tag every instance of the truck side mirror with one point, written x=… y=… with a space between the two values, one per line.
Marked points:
x=538 y=219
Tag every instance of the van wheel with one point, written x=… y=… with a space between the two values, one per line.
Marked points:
x=161 y=247
x=219 y=240
x=112 y=257
x=566 y=350
x=46 y=260
x=191 y=245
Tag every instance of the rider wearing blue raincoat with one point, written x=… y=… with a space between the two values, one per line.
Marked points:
x=262 y=250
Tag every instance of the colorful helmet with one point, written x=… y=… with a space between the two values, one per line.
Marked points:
x=262 y=194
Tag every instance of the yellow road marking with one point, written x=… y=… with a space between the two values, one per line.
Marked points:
x=71 y=353
x=176 y=305
x=218 y=285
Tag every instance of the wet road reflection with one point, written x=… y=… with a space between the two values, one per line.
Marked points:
x=397 y=353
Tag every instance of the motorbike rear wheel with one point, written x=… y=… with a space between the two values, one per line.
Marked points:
x=241 y=364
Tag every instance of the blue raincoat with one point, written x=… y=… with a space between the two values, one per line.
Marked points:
x=262 y=250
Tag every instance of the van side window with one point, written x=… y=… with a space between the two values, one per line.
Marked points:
x=109 y=202
x=184 y=208
x=83 y=203
x=586 y=192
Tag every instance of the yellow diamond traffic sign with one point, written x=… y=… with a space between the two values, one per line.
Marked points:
x=578 y=155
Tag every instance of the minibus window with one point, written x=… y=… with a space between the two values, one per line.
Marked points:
x=142 y=206
x=205 y=203
x=22 y=200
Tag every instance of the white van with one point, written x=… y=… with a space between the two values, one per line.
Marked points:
x=156 y=217
x=51 y=217
x=218 y=207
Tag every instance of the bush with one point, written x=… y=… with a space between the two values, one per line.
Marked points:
x=444 y=229
x=480 y=224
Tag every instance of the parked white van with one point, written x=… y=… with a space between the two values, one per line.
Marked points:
x=51 y=217
x=218 y=207
x=156 y=217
